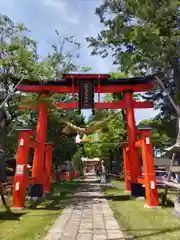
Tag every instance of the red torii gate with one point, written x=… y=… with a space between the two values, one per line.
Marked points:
x=100 y=83
x=21 y=179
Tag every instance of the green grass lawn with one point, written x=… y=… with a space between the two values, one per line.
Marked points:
x=149 y=224
x=34 y=223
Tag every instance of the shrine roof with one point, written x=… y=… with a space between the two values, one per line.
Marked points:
x=76 y=78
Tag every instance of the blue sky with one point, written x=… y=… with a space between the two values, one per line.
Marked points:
x=69 y=17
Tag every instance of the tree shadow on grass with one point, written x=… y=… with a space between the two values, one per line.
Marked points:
x=36 y=203
x=165 y=202
x=117 y=177
x=118 y=197
x=55 y=199
x=97 y=197
x=10 y=216
x=49 y=203
x=52 y=202
x=168 y=204
x=59 y=202
x=155 y=231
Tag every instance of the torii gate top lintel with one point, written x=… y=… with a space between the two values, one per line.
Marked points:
x=102 y=84
x=88 y=84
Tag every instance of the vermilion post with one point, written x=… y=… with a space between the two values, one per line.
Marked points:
x=21 y=177
x=48 y=165
x=126 y=170
x=149 y=172
x=39 y=154
x=133 y=151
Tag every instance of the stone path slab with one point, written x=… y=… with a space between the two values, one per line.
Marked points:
x=89 y=217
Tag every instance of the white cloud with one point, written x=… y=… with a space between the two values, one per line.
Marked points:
x=59 y=5
x=104 y=65
x=62 y=8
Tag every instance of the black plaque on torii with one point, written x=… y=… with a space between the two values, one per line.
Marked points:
x=86 y=94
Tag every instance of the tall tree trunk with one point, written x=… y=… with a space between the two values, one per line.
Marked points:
x=178 y=133
x=3 y=136
x=176 y=73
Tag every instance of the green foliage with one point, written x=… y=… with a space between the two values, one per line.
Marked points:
x=18 y=58
x=110 y=136
x=140 y=34
x=85 y=69
x=76 y=159
x=116 y=75
x=18 y=53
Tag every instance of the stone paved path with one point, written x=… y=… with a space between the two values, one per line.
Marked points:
x=89 y=217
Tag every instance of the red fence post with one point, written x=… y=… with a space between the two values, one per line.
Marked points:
x=149 y=172
x=126 y=170
x=21 y=177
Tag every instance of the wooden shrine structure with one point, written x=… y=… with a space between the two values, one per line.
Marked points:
x=86 y=85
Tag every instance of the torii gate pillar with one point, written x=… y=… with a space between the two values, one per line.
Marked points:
x=133 y=155
x=38 y=169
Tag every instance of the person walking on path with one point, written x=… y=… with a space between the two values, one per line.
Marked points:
x=103 y=173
